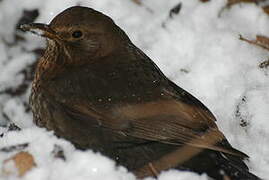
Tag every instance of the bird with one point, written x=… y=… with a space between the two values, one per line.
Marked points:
x=95 y=88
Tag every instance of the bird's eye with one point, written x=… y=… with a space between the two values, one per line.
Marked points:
x=77 y=34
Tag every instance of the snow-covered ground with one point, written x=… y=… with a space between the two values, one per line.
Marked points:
x=198 y=48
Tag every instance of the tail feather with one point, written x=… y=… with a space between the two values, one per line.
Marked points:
x=235 y=168
x=219 y=165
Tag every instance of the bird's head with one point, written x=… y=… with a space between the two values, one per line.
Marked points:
x=81 y=31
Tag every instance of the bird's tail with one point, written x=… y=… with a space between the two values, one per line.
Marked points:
x=219 y=166
x=235 y=168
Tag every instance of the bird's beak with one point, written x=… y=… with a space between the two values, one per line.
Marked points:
x=40 y=29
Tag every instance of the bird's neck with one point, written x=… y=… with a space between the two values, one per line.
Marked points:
x=49 y=65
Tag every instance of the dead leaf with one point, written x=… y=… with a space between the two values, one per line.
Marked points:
x=230 y=3
x=137 y=2
x=266 y=9
x=22 y=162
x=233 y=2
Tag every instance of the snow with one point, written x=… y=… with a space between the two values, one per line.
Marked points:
x=199 y=49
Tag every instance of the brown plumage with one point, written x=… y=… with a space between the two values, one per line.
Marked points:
x=98 y=90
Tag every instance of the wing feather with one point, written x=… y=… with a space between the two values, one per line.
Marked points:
x=167 y=121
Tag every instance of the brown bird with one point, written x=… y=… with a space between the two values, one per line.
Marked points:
x=95 y=88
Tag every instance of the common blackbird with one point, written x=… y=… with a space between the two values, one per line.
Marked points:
x=95 y=88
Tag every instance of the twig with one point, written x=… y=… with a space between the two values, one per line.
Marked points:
x=260 y=41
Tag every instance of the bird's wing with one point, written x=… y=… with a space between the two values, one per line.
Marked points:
x=175 y=119
x=161 y=111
